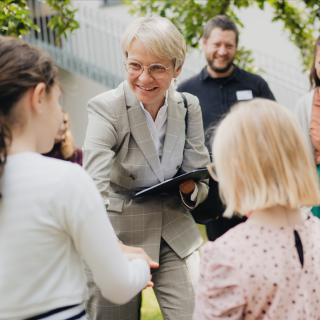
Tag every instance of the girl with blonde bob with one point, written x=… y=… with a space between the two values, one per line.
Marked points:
x=267 y=267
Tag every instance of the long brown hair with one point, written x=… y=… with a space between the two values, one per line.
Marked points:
x=22 y=67
x=313 y=77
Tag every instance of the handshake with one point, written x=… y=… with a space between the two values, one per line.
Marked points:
x=134 y=253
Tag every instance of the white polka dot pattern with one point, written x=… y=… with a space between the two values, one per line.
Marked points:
x=254 y=272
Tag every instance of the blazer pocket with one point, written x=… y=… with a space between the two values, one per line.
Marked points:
x=115 y=205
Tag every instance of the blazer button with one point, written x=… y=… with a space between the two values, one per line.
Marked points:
x=132 y=177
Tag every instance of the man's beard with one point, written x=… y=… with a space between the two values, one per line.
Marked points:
x=225 y=69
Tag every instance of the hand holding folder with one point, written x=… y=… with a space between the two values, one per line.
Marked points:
x=173 y=183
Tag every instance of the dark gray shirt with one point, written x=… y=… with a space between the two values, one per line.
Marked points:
x=217 y=95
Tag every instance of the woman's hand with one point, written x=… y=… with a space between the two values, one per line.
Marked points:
x=187 y=187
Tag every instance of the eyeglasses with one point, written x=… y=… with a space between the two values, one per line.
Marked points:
x=155 y=70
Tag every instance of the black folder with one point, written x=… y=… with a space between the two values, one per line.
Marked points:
x=173 y=183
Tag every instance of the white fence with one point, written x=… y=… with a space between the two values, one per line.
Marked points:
x=287 y=82
x=94 y=51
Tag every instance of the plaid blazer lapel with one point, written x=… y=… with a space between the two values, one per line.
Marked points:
x=140 y=132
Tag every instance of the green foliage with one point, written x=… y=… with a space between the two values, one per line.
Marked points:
x=300 y=23
x=16 y=18
x=64 y=19
x=299 y=18
x=245 y=60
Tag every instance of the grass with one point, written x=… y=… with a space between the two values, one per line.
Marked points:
x=150 y=308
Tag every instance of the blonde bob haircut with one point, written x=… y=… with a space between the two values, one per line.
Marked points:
x=262 y=159
x=159 y=36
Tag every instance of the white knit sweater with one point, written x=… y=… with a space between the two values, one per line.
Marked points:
x=51 y=219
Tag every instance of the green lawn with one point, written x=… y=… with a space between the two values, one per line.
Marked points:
x=150 y=309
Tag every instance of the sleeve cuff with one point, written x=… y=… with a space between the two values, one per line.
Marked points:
x=190 y=200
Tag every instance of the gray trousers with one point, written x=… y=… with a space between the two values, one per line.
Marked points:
x=173 y=286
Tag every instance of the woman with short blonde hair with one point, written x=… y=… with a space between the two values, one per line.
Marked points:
x=266 y=267
x=140 y=134
x=159 y=37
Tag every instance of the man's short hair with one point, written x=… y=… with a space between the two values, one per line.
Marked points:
x=222 y=22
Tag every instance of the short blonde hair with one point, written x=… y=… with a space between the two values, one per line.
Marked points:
x=159 y=36
x=262 y=160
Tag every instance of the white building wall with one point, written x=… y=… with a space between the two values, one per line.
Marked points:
x=275 y=53
x=77 y=90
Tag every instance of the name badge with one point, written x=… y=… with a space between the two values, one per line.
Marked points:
x=244 y=95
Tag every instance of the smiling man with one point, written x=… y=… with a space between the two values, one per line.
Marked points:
x=218 y=86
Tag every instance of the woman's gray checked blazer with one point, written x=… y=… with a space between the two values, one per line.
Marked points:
x=121 y=157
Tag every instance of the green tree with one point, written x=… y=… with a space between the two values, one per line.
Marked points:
x=300 y=18
x=16 y=18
